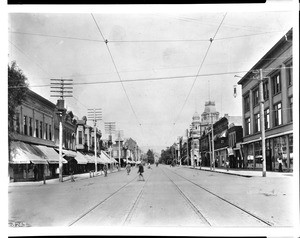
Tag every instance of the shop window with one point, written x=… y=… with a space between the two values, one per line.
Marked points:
x=255 y=97
x=291 y=150
x=280 y=149
x=247 y=126
x=267 y=119
x=266 y=90
x=257 y=122
x=25 y=125
x=289 y=73
x=36 y=128
x=277 y=114
x=276 y=81
x=247 y=103
x=257 y=152
x=30 y=126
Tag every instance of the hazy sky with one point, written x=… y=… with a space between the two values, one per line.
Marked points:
x=145 y=46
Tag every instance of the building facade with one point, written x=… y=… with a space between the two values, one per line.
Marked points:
x=277 y=68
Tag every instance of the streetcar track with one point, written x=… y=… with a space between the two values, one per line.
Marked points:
x=195 y=209
x=133 y=208
x=101 y=202
x=225 y=200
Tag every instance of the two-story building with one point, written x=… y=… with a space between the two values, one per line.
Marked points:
x=277 y=69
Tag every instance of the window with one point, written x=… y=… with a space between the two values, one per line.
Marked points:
x=247 y=103
x=17 y=122
x=256 y=122
x=30 y=126
x=291 y=108
x=247 y=126
x=277 y=114
x=289 y=73
x=291 y=149
x=267 y=119
x=46 y=131
x=25 y=125
x=80 y=137
x=266 y=90
x=41 y=129
x=276 y=81
x=36 y=128
x=255 y=97
x=50 y=132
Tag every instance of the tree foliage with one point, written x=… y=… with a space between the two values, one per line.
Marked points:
x=17 y=89
x=166 y=156
x=150 y=156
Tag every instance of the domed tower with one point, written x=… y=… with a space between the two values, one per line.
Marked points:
x=195 y=135
x=210 y=115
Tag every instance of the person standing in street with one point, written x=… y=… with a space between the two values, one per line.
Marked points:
x=128 y=168
x=279 y=160
x=105 y=170
x=141 y=171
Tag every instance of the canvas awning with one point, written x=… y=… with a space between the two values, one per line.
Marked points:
x=112 y=160
x=69 y=153
x=51 y=156
x=105 y=158
x=80 y=158
x=22 y=153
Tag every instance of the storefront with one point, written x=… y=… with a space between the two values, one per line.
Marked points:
x=220 y=157
x=276 y=147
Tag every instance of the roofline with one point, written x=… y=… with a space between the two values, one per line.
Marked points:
x=39 y=97
x=255 y=67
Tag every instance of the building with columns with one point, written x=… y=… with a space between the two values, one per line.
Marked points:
x=277 y=68
x=195 y=136
x=209 y=116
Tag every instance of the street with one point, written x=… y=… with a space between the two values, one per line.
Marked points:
x=169 y=196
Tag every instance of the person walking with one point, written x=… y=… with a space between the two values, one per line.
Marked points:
x=128 y=168
x=279 y=160
x=141 y=171
x=227 y=165
x=105 y=170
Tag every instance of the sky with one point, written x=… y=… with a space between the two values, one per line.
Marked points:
x=163 y=45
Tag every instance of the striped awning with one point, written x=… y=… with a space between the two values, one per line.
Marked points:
x=51 y=155
x=23 y=153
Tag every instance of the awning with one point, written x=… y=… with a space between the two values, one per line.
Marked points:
x=80 y=158
x=22 y=153
x=104 y=157
x=69 y=153
x=112 y=160
x=51 y=156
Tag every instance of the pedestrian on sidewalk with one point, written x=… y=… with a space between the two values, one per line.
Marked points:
x=105 y=170
x=128 y=168
x=227 y=165
x=141 y=171
x=200 y=162
x=279 y=160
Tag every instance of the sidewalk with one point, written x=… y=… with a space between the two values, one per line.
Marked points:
x=245 y=172
x=66 y=178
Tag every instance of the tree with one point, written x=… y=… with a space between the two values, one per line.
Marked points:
x=166 y=156
x=17 y=89
x=150 y=156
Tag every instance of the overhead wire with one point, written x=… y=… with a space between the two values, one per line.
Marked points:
x=116 y=70
x=160 y=78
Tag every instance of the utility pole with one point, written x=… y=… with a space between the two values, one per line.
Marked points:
x=187 y=146
x=110 y=127
x=262 y=122
x=212 y=143
x=119 y=138
x=94 y=115
x=64 y=89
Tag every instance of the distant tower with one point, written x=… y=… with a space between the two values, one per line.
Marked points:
x=210 y=115
x=195 y=135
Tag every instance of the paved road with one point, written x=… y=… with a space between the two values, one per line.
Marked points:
x=168 y=197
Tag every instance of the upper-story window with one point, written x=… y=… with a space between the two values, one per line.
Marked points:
x=266 y=89
x=276 y=82
x=36 y=128
x=267 y=118
x=80 y=137
x=17 y=122
x=25 y=125
x=30 y=126
x=277 y=114
x=291 y=109
x=41 y=129
x=255 y=97
x=289 y=73
x=256 y=122
x=247 y=126
x=247 y=103
x=46 y=130
x=50 y=132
